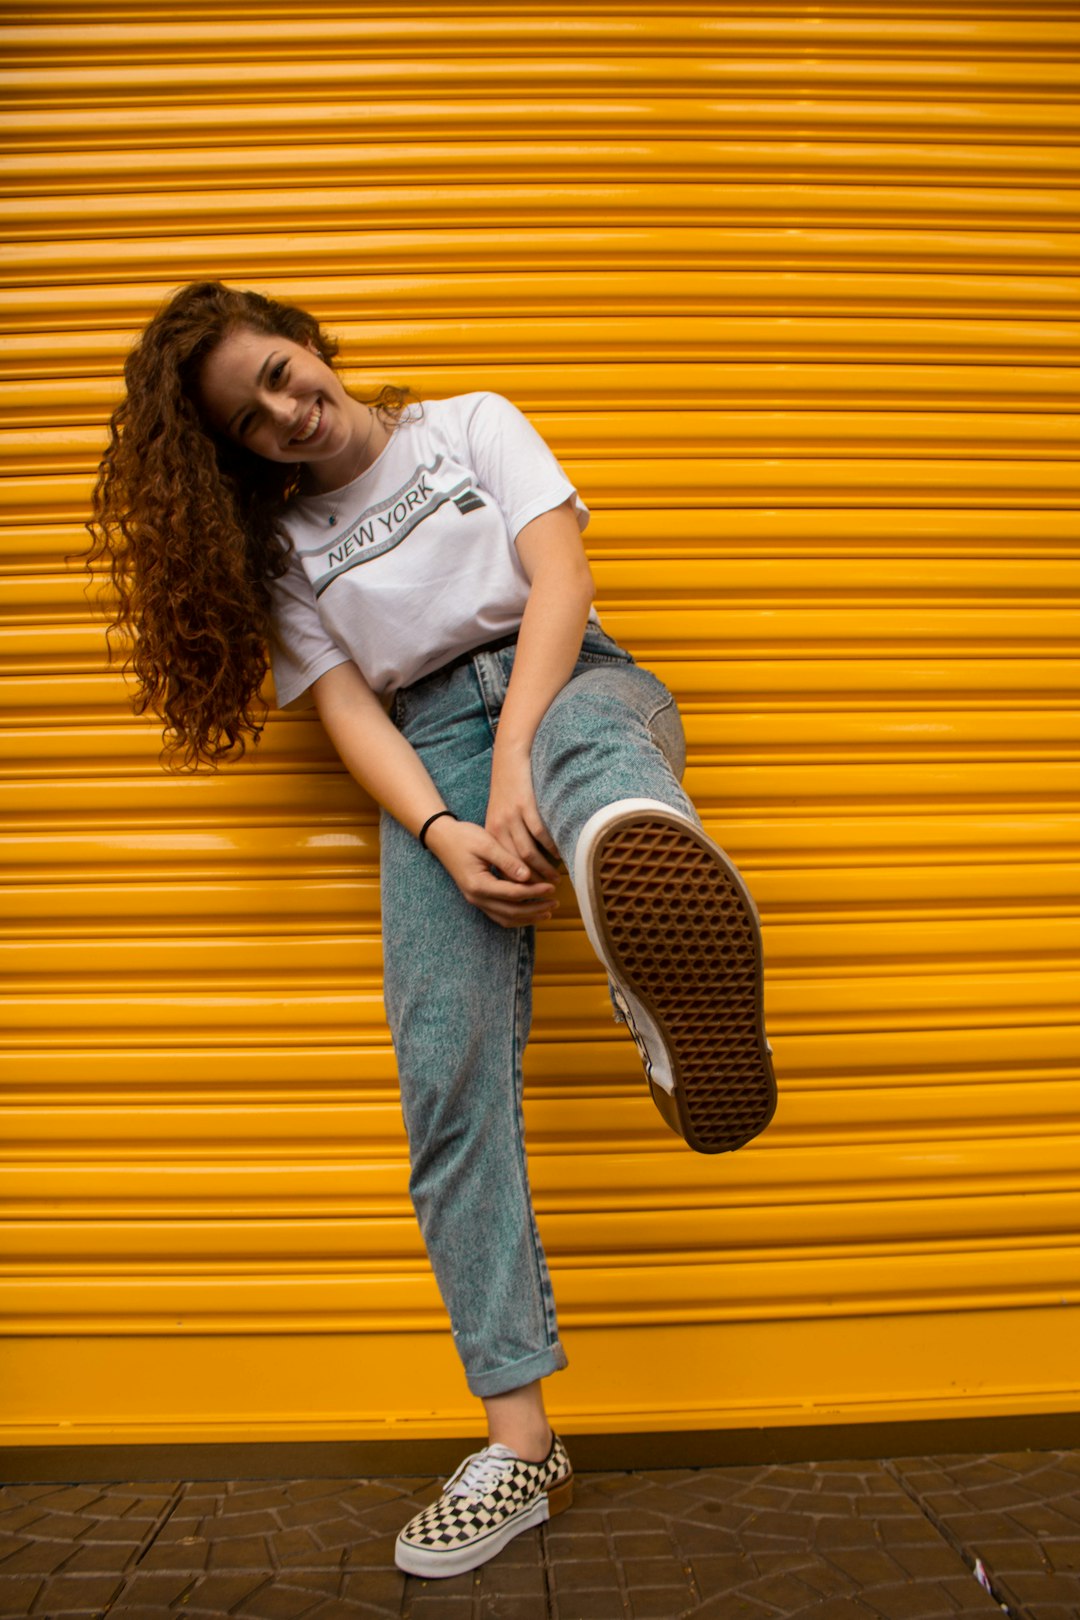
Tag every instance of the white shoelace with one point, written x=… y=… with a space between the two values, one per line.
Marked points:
x=481 y=1471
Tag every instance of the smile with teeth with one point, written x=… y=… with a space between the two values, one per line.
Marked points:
x=310 y=426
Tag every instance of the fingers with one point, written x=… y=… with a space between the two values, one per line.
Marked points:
x=542 y=858
x=516 y=905
x=511 y=895
x=531 y=842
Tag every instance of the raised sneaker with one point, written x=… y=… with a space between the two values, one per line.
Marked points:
x=492 y=1498
x=675 y=926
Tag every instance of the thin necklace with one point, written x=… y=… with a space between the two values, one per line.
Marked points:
x=334 y=512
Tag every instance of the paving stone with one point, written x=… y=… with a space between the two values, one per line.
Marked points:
x=966 y=1594
x=306 y=1490
x=15 y=1518
x=33 y=1558
x=646 y=1544
x=375 y=1586
x=784 y=1593
x=604 y=1604
x=449 y=1586
x=581 y=1520
x=618 y=1484
x=694 y=1540
x=661 y=1603
x=1062 y=1556
x=216 y=1591
x=241 y=1524
x=17 y=1593
x=925 y=1561
x=717 y=1516
x=842 y=1541
x=585 y=1575
x=343 y=1609
x=73 y=1498
x=276 y=1601
x=143 y=1591
x=653 y=1572
x=180 y=1526
x=368 y=1494
x=511 y=1580
x=393 y=1515
x=527 y=1548
x=63 y=1526
x=513 y=1608
x=432 y=1606
x=1032 y=1590
x=190 y=1556
x=243 y=1553
x=101 y=1558
x=138 y=1611
x=1008 y=1510
x=376 y=1552
x=69 y=1594
x=871 y=1566
x=567 y=1545
x=656 y=1497
x=721 y=1573
x=1012 y=1555
x=915 y=1600
x=727 y=1607
x=300 y=1549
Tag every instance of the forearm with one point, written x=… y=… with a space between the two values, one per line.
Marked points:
x=489 y=873
x=373 y=749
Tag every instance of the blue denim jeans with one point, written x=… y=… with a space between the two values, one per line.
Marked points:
x=458 y=987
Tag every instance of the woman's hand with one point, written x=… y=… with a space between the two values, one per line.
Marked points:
x=512 y=817
x=511 y=896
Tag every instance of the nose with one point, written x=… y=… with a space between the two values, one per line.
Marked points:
x=280 y=410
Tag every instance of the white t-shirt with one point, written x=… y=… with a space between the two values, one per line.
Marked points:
x=420 y=564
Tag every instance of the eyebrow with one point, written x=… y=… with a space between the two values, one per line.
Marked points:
x=258 y=384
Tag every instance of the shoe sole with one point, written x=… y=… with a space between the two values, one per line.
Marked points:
x=680 y=933
x=459 y=1560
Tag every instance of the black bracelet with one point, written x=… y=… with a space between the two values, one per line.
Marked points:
x=422 y=834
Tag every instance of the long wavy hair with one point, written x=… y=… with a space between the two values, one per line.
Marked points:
x=188 y=527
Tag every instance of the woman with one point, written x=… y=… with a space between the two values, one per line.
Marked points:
x=431 y=558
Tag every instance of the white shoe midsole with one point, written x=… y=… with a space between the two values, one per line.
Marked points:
x=659 y=1066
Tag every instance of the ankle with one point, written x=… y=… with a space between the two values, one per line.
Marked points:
x=531 y=1445
x=517 y=1419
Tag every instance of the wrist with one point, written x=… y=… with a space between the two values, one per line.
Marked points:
x=441 y=835
x=511 y=744
x=437 y=816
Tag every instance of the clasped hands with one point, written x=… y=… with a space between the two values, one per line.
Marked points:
x=506 y=868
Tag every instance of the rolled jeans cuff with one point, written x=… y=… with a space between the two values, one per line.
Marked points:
x=516 y=1373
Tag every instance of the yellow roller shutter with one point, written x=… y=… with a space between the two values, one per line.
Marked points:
x=792 y=293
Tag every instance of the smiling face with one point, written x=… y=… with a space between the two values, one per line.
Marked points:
x=282 y=402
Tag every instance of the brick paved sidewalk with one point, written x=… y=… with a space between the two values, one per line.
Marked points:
x=828 y=1541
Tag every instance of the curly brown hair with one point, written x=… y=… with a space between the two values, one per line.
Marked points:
x=188 y=526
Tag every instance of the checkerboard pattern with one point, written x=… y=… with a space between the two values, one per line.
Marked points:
x=489 y=1499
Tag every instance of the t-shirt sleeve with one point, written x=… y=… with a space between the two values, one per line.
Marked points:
x=515 y=465
x=301 y=647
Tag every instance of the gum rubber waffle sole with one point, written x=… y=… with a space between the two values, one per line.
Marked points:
x=681 y=930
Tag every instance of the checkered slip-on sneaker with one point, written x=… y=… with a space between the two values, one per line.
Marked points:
x=492 y=1498
x=676 y=928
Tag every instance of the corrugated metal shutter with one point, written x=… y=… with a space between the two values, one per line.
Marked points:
x=790 y=293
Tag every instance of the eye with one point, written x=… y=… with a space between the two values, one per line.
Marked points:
x=245 y=424
x=277 y=372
